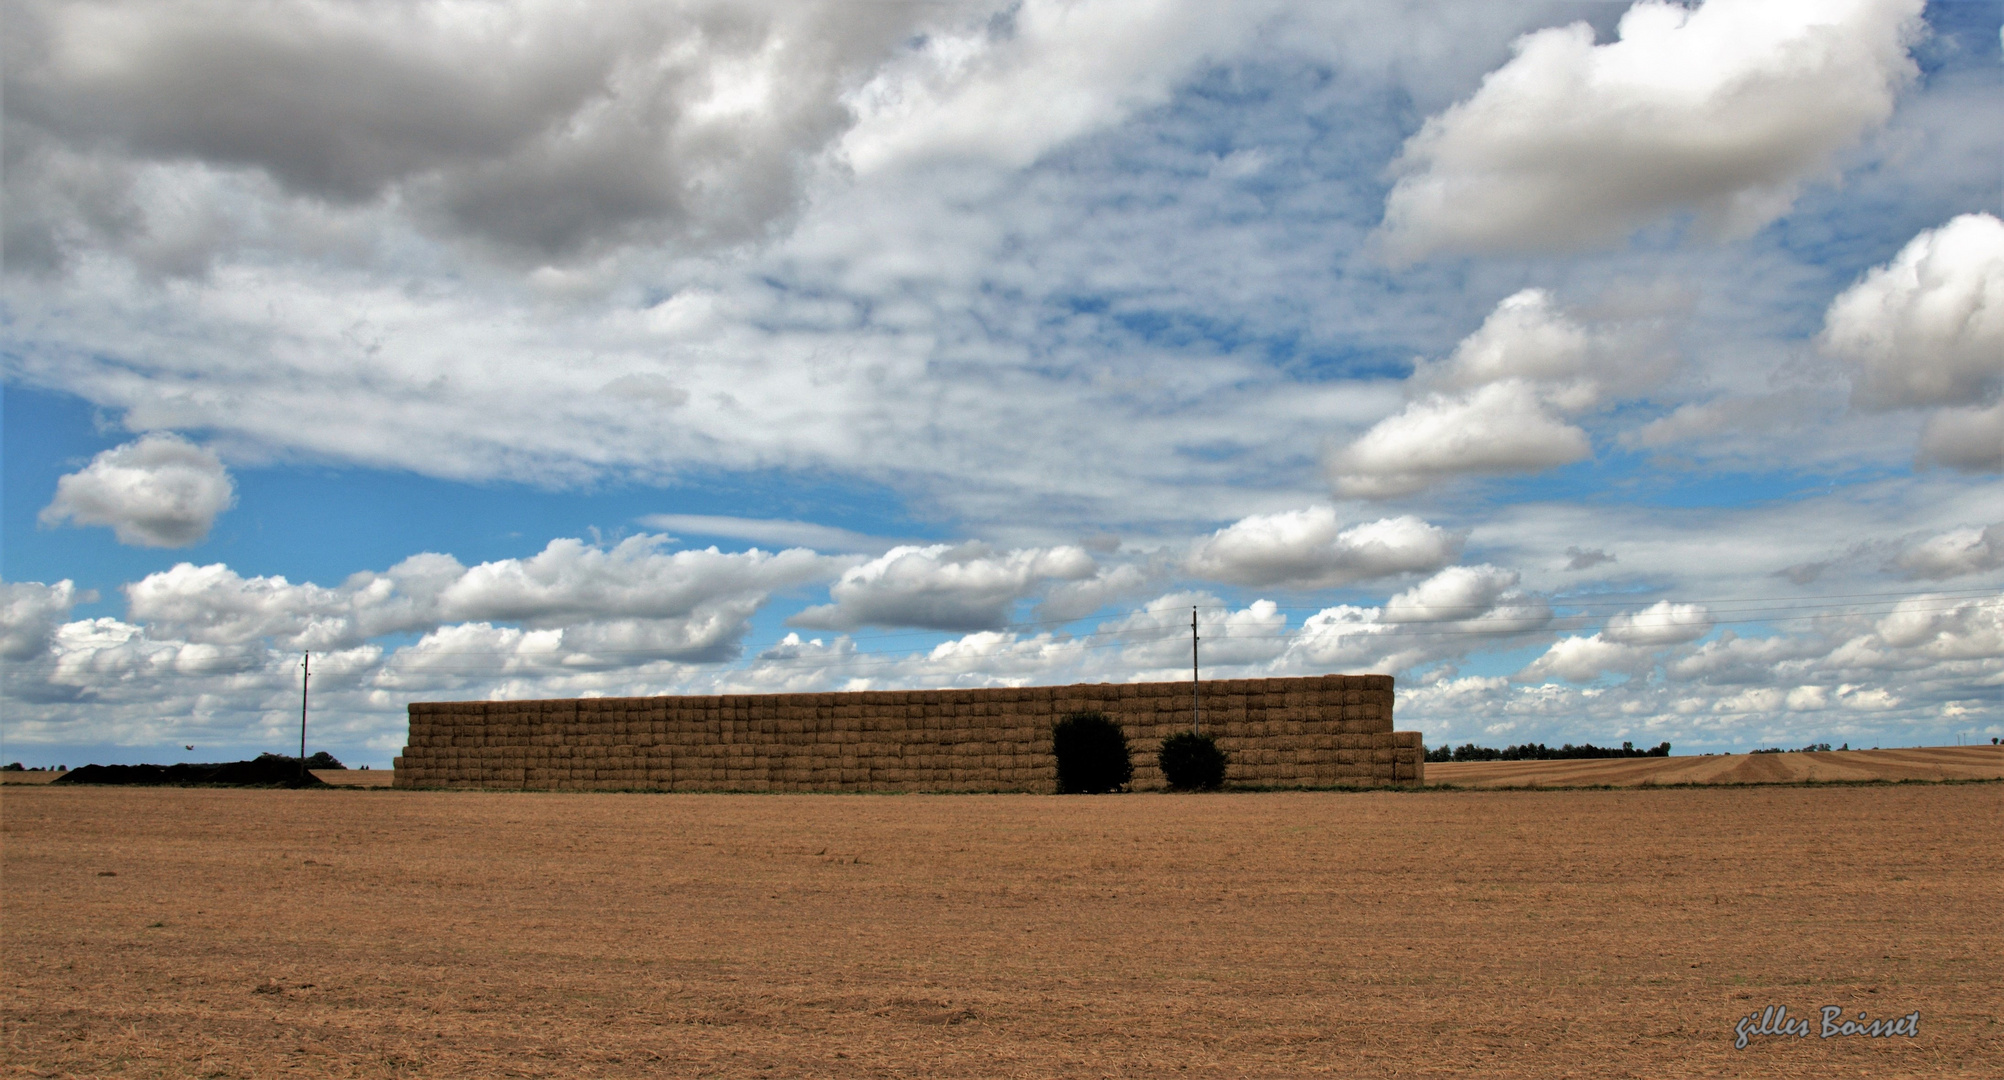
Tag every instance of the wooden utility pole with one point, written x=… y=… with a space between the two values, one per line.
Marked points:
x=1196 y=700
x=305 y=678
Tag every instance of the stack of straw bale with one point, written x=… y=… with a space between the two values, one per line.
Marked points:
x=1304 y=732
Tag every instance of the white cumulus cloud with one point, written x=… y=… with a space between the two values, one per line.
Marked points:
x=1311 y=549
x=1954 y=553
x=1155 y=639
x=1722 y=111
x=158 y=491
x=1500 y=402
x=31 y=613
x=1455 y=594
x=1583 y=659
x=943 y=586
x=570 y=580
x=632 y=598
x=1927 y=328
x=1944 y=628
x=1460 y=610
x=519 y=125
x=214 y=604
x=1348 y=638
x=1661 y=623
x=1501 y=428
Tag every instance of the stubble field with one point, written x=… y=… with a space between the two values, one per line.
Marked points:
x=213 y=933
x=1796 y=767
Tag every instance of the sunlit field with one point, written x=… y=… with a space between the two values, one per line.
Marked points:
x=216 y=933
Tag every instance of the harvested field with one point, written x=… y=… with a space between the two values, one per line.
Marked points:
x=211 y=933
x=336 y=777
x=1841 y=766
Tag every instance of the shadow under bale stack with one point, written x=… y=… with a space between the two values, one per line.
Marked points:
x=1323 y=731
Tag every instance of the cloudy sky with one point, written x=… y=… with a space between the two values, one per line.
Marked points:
x=1601 y=371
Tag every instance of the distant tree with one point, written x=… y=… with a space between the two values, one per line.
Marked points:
x=1541 y=752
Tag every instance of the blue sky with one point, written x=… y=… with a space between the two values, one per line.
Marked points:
x=1601 y=371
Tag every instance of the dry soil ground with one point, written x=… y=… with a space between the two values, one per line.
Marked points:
x=213 y=933
x=1911 y=763
x=336 y=777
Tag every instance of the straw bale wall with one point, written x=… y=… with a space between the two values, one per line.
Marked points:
x=1307 y=732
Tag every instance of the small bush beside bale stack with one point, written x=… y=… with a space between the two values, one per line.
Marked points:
x=1320 y=731
x=1192 y=762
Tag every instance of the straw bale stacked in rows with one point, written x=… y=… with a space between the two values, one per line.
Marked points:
x=1305 y=732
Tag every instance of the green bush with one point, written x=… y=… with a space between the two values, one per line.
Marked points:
x=1192 y=762
x=1092 y=754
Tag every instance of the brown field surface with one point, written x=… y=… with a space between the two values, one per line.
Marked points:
x=1852 y=766
x=233 y=933
x=336 y=777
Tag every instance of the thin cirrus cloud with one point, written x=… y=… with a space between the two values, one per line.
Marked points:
x=158 y=491
x=1009 y=88
x=1722 y=111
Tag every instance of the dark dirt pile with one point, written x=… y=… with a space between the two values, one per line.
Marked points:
x=270 y=770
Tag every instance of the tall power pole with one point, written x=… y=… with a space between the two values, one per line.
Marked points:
x=1196 y=701
x=305 y=678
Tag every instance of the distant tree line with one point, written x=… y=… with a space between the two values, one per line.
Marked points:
x=1541 y=752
